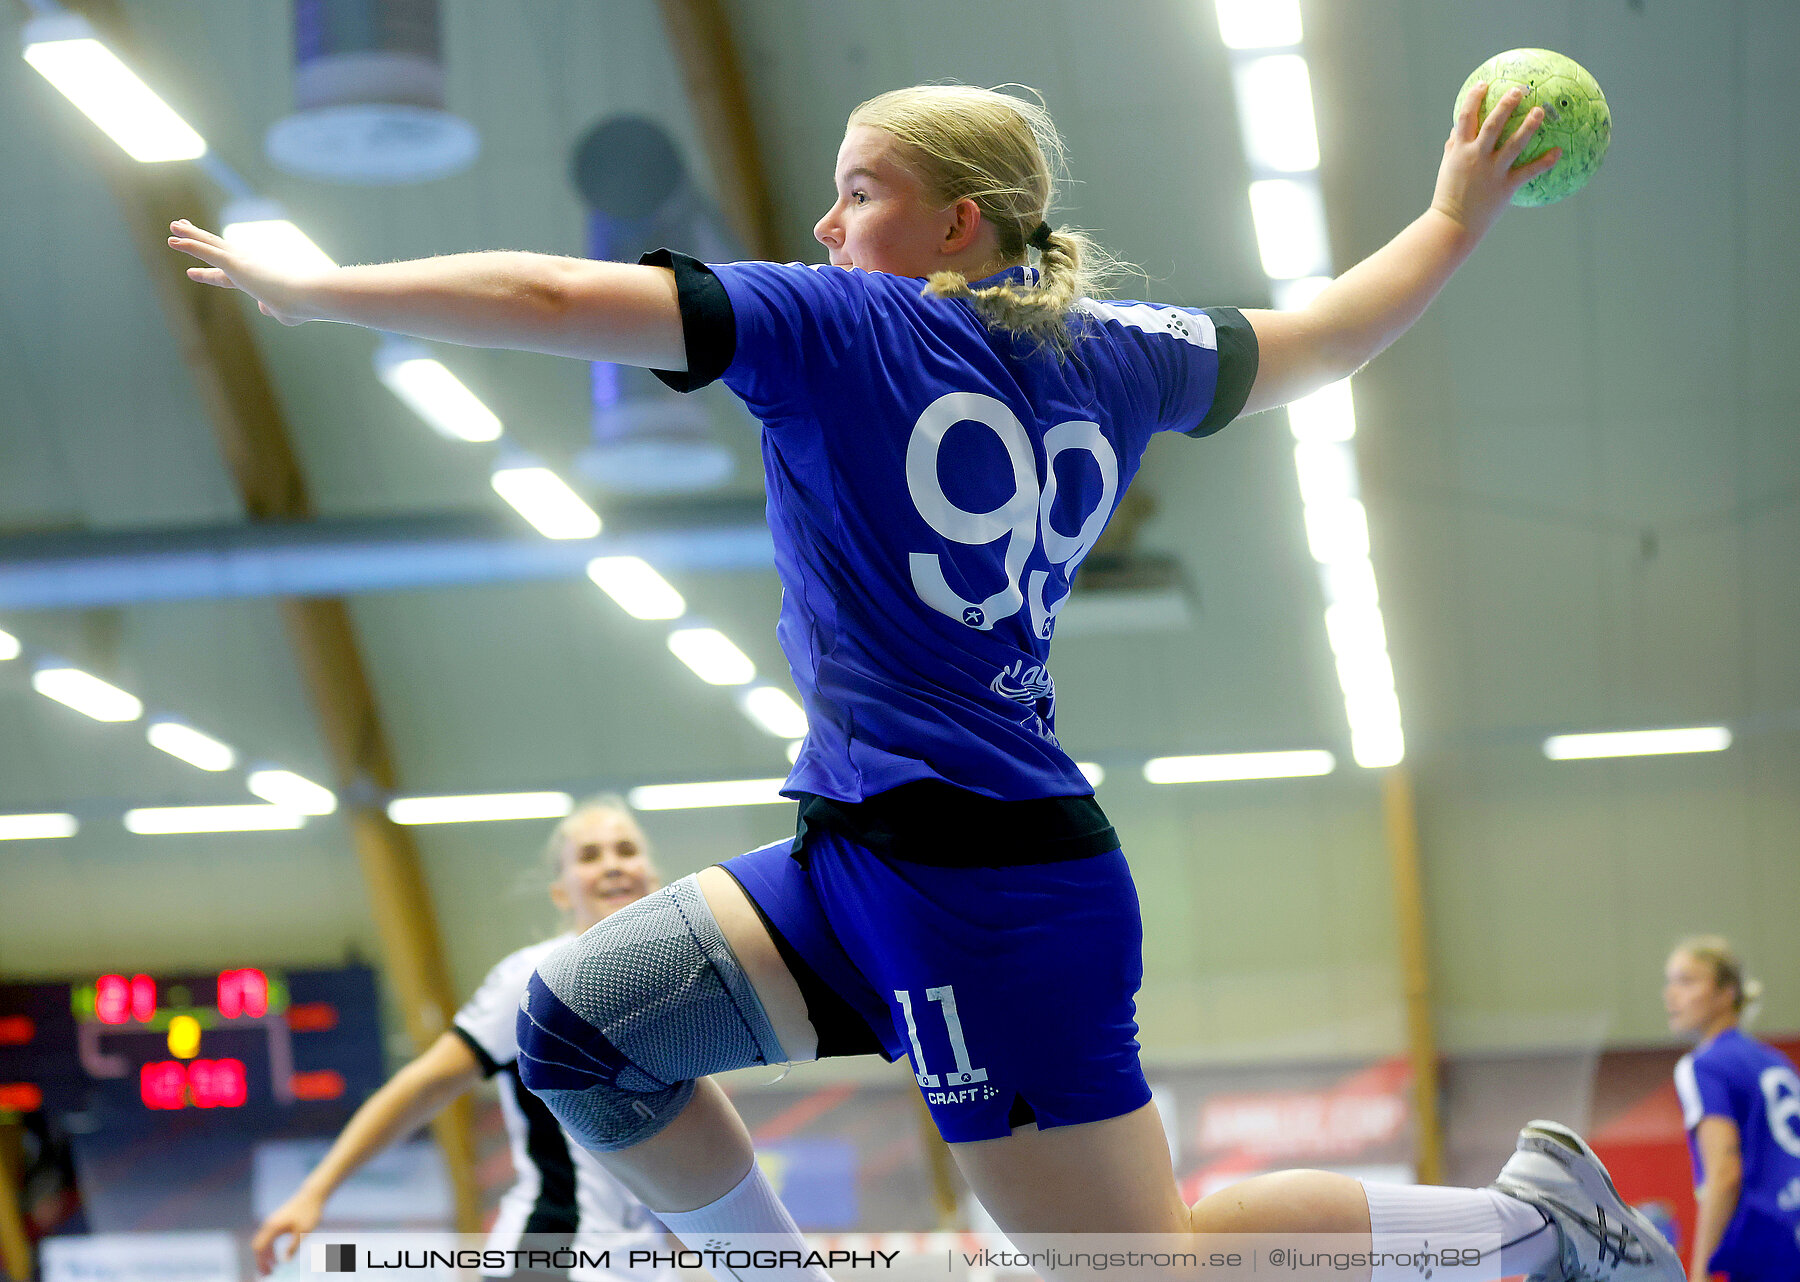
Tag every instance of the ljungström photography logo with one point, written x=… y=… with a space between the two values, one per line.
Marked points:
x=334 y=1257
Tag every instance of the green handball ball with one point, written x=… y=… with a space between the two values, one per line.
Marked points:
x=1575 y=117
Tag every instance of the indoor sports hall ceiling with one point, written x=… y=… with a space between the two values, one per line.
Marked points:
x=1581 y=469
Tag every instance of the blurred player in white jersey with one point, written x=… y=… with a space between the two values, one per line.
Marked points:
x=597 y=861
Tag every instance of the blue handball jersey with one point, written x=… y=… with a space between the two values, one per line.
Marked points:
x=1755 y=1086
x=933 y=486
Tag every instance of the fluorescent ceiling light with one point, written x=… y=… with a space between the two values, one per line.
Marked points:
x=793 y=751
x=431 y=391
x=774 y=710
x=1290 y=228
x=1378 y=746
x=1327 y=471
x=1637 y=743
x=292 y=792
x=9 y=646
x=1258 y=24
x=1355 y=630
x=1275 y=111
x=482 y=808
x=88 y=695
x=37 y=827
x=1350 y=581
x=1337 y=531
x=1368 y=675
x=1372 y=703
x=712 y=656
x=541 y=497
x=164 y=820
x=694 y=796
x=64 y=51
x=1239 y=765
x=638 y=589
x=190 y=745
x=1092 y=773
x=1293 y=295
x=280 y=241
x=1327 y=415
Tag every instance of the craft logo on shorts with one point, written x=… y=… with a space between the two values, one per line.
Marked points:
x=334 y=1257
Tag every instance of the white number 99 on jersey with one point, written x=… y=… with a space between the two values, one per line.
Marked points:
x=1023 y=519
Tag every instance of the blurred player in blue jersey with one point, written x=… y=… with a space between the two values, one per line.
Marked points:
x=1740 y=1102
x=949 y=419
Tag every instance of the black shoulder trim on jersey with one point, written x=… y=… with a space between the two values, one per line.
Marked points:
x=489 y=1065
x=556 y=1209
x=708 y=324
x=1237 y=368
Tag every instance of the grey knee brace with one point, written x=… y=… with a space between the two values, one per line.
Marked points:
x=616 y=1025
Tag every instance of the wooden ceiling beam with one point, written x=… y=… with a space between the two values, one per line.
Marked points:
x=212 y=332
x=700 y=37
x=15 y=1242
x=1412 y=917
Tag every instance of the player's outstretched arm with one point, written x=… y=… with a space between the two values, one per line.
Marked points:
x=1722 y=1158
x=1378 y=300
x=415 y=1095
x=528 y=302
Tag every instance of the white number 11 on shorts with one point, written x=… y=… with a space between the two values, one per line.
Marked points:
x=965 y=1073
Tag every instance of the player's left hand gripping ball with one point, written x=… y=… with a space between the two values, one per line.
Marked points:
x=1575 y=117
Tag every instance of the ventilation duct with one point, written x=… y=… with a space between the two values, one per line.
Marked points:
x=647 y=439
x=369 y=96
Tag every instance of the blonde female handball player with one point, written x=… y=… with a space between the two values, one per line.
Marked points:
x=949 y=418
x=1740 y=1103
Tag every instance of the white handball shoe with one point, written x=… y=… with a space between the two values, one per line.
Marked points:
x=1601 y=1239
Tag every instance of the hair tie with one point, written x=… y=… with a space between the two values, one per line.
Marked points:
x=1040 y=239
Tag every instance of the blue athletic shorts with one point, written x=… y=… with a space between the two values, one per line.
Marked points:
x=1011 y=989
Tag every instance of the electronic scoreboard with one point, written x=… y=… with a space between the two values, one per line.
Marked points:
x=265 y=1045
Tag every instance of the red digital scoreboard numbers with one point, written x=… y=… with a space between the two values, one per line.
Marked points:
x=203 y=1083
x=186 y=1081
x=241 y=1040
x=118 y=1000
x=243 y=993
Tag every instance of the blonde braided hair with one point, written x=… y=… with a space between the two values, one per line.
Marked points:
x=1004 y=153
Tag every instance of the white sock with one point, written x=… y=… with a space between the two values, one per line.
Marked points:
x=1403 y=1218
x=749 y=1218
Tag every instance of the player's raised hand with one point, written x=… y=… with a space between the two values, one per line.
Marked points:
x=1479 y=173
x=295 y=1218
x=277 y=290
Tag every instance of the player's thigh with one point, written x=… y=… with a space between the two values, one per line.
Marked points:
x=1112 y=1176
x=775 y=985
